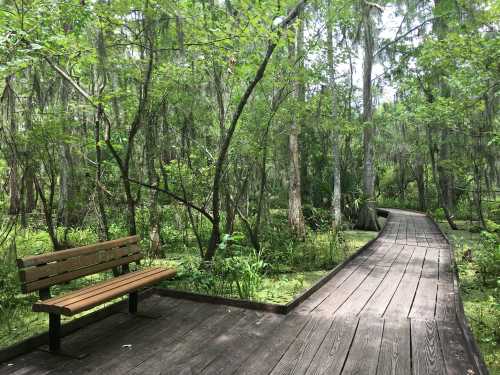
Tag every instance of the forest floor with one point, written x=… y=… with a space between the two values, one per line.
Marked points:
x=481 y=300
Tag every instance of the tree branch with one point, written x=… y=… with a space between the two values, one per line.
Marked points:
x=201 y=210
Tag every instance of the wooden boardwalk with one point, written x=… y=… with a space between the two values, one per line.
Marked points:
x=391 y=310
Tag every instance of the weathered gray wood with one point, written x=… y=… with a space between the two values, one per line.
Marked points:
x=445 y=303
x=185 y=352
x=426 y=348
x=453 y=346
x=215 y=350
x=255 y=335
x=263 y=360
x=424 y=304
x=128 y=345
x=357 y=300
x=331 y=355
x=402 y=299
x=301 y=352
x=381 y=298
x=364 y=352
x=395 y=355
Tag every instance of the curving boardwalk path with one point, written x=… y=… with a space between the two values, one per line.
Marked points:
x=391 y=310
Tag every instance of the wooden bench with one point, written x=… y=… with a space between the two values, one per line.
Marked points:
x=40 y=272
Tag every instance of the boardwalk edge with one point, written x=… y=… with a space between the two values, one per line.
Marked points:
x=459 y=309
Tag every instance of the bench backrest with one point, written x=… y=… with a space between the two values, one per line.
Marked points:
x=42 y=271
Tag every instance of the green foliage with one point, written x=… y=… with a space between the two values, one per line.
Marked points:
x=487 y=257
x=476 y=256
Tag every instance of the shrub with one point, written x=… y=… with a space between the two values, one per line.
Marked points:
x=487 y=256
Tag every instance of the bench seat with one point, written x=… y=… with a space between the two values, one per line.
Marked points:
x=83 y=299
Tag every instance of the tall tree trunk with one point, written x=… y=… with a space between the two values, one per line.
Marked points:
x=154 y=216
x=47 y=207
x=420 y=178
x=336 y=195
x=367 y=219
x=101 y=208
x=14 y=181
x=445 y=174
x=435 y=177
x=67 y=213
x=443 y=178
x=295 y=215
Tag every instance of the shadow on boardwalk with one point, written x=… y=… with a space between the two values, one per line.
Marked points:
x=391 y=310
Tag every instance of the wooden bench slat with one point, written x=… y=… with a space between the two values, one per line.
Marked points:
x=119 y=290
x=77 y=262
x=101 y=287
x=68 y=276
x=36 y=260
x=105 y=296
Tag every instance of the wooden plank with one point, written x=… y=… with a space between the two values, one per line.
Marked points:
x=270 y=352
x=331 y=355
x=382 y=296
x=445 y=271
x=342 y=293
x=417 y=260
x=424 y=304
x=395 y=354
x=192 y=345
x=401 y=302
x=35 y=260
x=426 y=348
x=254 y=336
x=330 y=305
x=338 y=280
x=430 y=268
x=445 y=303
x=43 y=283
x=213 y=357
x=454 y=348
x=76 y=262
x=390 y=256
x=299 y=355
x=357 y=300
x=123 y=349
x=364 y=352
x=85 y=304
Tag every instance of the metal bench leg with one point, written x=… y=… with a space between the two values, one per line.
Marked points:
x=133 y=299
x=54 y=332
x=55 y=339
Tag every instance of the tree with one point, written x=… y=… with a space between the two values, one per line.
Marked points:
x=367 y=217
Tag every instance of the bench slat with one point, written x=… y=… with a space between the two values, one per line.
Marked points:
x=68 y=276
x=77 y=262
x=138 y=281
x=90 y=288
x=36 y=260
x=101 y=287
